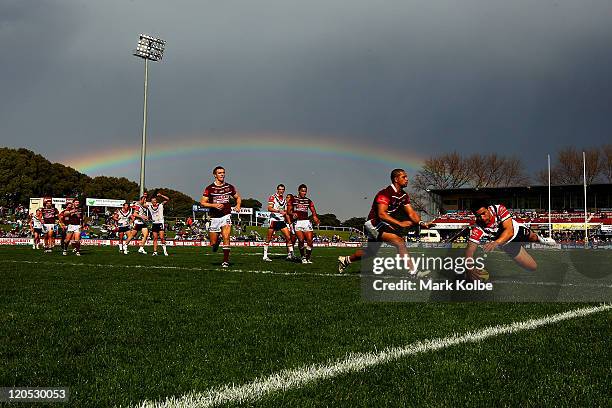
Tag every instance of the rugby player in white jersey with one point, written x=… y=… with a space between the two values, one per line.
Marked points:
x=140 y=217
x=298 y=209
x=156 y=210
x=277 y=206
x=495 y=224
x=216 y=197
x=50 y=214
x=124 y=219
x=37 y=227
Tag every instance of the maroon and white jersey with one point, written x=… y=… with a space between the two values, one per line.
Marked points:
x=65 y=217
x=219 y=195
x=300 y=207
x=279 y=203
x=494 y=228
x=50 y=215
x=76 y=216
x=394 y=199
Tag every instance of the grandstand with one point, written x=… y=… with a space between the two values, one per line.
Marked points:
x=528 y=205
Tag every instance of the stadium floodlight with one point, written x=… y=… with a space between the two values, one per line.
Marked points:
x=148 y=48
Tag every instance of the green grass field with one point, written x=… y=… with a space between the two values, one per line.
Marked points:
x=119 y=330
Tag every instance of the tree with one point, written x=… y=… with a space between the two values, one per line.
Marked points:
x=329 y=220
x=355 y=222
x=447 y=171
x=607 y=162
x=569 y=168
x=496 y=171
x=180 y=205
x=252 y=203
x=111 y=187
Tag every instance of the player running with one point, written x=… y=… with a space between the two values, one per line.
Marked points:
x=50 y=214
x=495 y=223
x=73 y=231
x=124 y=219
x=156 y=210
x=298 y=209
x=216 y=197
x=277 y=205
x=383 y=226
x=37 y=227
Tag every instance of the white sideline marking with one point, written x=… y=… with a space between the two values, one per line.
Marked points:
x=276 y=273
x=286 y=380
x=180 y=268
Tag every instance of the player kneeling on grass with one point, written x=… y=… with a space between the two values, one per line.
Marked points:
x=216 y=197
x=298 y=209
x=497 y=224
x=156 y=209
x=277 y=205
x=73 y=231
x=383 y=226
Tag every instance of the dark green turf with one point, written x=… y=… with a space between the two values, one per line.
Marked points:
x=119 y=335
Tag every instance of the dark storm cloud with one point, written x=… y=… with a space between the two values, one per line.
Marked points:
x=424 y=77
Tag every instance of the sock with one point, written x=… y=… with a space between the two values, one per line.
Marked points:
x=215 y=246
x=265 y=251
x=226 y=253
x=308 y=252
x=301 y=247
x=78 y=246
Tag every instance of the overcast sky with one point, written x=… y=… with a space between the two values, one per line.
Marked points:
x=418 y=77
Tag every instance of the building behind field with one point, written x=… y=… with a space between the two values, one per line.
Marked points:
x=530 y=206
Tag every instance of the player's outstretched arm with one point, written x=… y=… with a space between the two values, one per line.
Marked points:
x=165 y=199
x=505 y=236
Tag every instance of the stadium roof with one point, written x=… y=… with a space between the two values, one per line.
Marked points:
x=519 y=189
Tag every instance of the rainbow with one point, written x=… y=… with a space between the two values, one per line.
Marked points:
x=100 y=161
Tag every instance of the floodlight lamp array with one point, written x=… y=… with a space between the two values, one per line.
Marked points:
x=150 y=48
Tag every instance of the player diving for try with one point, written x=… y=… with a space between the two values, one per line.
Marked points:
x=383 y=226
x=277 y=206
x=216 y=197
x=497 y=224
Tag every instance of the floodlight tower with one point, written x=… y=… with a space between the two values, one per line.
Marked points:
x=148 y=48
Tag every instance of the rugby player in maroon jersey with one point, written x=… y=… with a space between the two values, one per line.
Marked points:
x=497 y=224
x=216 y=197
x=64 y=221
x=382 y=224
x=298 y=209
x=277 y=206
x=290 y=223
x=73 y=231
x=50 y=214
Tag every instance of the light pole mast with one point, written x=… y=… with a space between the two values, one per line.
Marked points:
x=148 y=48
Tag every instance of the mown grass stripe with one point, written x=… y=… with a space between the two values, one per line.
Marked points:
x=294 y=378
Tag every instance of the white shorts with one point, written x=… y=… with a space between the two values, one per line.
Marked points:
x=48 y=227
x=217 y=223
x=303 y=225
x=74 y=228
